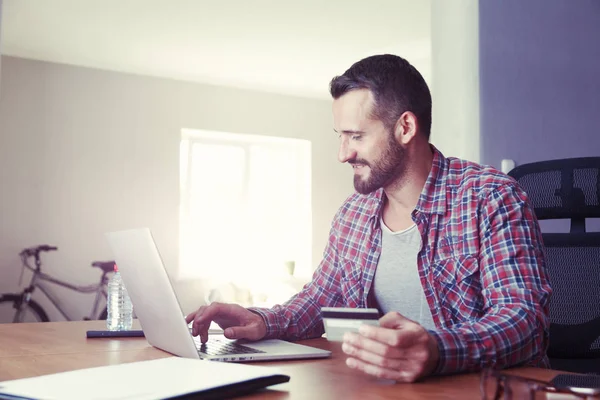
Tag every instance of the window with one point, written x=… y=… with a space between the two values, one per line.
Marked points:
x=245 y=213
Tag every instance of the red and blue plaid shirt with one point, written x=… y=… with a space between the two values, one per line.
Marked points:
x=481 y=266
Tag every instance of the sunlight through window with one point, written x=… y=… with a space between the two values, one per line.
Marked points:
x=245 y=214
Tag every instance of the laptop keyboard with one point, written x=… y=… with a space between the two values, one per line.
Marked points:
x=218 y=347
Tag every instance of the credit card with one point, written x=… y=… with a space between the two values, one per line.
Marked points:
x=339 y=320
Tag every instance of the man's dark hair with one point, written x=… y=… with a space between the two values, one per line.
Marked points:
x=396 y=85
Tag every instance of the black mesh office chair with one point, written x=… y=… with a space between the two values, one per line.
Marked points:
x=570 y=189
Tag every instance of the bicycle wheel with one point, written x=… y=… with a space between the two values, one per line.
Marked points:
x=32 y=312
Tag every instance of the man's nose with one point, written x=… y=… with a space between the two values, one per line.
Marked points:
x=345 y=153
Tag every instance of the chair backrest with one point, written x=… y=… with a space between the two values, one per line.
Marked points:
x=569 y=189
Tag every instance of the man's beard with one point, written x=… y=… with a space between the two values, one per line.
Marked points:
x=390 y=166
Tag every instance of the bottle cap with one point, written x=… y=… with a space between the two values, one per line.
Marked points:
x=116 y=269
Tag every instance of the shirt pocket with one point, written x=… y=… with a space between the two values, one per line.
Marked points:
x=457 y=280
x=352 y=287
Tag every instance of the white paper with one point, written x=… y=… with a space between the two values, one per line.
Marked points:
x=143 y=380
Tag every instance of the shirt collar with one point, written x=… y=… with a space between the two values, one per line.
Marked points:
x=433 y=196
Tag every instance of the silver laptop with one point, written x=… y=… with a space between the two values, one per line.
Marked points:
x=162 y=319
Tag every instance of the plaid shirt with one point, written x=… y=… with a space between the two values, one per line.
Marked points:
x=481 y=266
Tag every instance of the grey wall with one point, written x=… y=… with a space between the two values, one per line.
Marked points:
x=539 y=82
x=540 y=79
x=0 y=44
x=86 y=151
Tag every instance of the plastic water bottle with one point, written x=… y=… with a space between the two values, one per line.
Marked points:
x=119 y=308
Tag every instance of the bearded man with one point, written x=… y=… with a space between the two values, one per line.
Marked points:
x=448 y=251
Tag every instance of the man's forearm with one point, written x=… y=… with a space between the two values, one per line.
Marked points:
x=299 y=318
x=507 y=338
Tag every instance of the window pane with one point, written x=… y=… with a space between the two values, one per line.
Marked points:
x=245 y=209
x=215 y=207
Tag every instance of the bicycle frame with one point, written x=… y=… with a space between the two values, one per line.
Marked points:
x=40 y=280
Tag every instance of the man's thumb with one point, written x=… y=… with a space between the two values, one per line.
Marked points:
x=238 y=332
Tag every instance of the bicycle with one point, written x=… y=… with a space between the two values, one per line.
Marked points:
x=28 y=310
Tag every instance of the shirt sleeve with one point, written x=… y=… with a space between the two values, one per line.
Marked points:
x=514 y=327
x=300 y=317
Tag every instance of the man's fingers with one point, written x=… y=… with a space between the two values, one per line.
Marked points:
x=238 y=322
x=371 y=369
x=226 y=316
x=399 y=338
x=372 y=358
x=373 y=346
x=202 y=319
x=397 y=349
x=403 y=374
x=394 y=330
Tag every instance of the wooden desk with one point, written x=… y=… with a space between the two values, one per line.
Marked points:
x=28 y=350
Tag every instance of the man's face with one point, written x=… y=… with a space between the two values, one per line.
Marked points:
x=365 y=143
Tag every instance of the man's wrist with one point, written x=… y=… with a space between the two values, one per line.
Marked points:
x=434 y=355
x=263 y=319
x=262 y=326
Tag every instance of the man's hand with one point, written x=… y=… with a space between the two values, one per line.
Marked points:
x=398 y=349
x=237 y=322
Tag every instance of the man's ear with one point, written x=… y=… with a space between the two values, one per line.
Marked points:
x=406 y=128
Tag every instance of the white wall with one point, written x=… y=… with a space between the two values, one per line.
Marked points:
x=455 y=77
x=85 y=151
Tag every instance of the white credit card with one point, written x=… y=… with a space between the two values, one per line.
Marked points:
x=339 y=320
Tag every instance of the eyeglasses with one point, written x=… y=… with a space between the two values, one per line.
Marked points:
x=495 y=385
